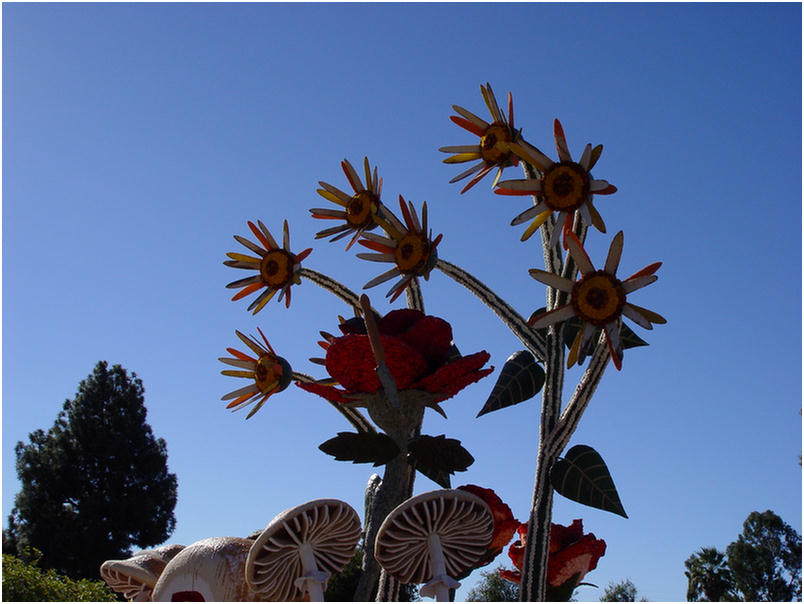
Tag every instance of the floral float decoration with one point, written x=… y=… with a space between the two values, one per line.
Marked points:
x=384 y=371
x=572 y=556
x=290 y=560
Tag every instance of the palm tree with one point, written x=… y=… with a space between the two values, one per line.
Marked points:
x=709 y=577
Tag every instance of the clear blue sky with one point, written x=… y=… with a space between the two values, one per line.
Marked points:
x=138 y=138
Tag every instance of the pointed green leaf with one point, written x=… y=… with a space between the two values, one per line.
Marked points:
x=437 y=457
x=361 y=447
x=582 y=475
x=520 y=379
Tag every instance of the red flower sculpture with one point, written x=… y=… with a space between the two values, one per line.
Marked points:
x=571 y=553
x=504 y=522
x=418 y=353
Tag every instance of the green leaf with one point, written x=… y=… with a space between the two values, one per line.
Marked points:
x=582 y=475
x=438 y=457
x=520 y=379
x=361 y=447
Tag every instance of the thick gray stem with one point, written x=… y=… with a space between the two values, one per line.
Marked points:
x=396 y=487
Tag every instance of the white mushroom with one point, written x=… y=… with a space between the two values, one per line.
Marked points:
x=434 y=537
x=210 y=570
x=136 y=577
x=299 y=550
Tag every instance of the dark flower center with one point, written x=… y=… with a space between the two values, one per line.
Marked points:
x=276 y=268
x=411 y=253
x=565 y=186
x=494 y=144
x=267 y=372
x=361 y=209
x=598 y=298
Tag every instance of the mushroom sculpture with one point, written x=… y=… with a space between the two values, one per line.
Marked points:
x=136 y=577
x=433 y=538
x=299 y=550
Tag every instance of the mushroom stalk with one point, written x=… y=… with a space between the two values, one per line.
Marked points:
x=313 y=580
x=441 y=582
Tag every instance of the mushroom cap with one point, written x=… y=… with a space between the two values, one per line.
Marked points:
x=136 y=577
x=331 y=527
x=464 y=525
x=212 y=568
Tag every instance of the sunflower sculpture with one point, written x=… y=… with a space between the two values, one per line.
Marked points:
x=384 y=369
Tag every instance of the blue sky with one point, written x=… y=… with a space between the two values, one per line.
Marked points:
x=138 y=138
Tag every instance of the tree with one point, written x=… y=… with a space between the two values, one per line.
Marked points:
x=341 y=586
x=493 y=588
x=709 y=577
x=97 y=482
x=624 y=591
x=765 y=560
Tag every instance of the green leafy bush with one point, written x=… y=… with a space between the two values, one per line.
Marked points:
x=26 y=582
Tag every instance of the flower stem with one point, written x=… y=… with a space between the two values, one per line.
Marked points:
x=537 y=547
x=331 y=285
x=353 y=416
x=532 y=340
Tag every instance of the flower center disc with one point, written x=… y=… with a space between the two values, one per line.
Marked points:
x=276 y=268
x=598 y=298
x=494 y=144
x=565 y=186
x=411 y=254
x=267 y=373
x=360 y=209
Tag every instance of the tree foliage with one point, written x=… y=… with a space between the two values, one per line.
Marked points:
x=96 y=482
x=766 y=559
x=709 y=577
x=624 y=591
x=763 y=565
x=493 y=588
x=26 y=582
x=342 y=585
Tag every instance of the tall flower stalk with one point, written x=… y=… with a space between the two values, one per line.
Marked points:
x=383 y=372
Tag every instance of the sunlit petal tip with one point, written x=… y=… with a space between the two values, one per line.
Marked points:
x=615 y=346
x=615 y=252
x=585 y=157
x=579 y=254
x=631 y=285
x=648 y=270
x=651 y=316
x=561 y=313
x=551 y=279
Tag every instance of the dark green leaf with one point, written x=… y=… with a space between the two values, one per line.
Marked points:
x=437 y=457
x=582 y=475
x=361 y=447
x=520 y=379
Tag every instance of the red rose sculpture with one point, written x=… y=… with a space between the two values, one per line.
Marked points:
x=504 y=522
x=572 y=555
x=417 y=350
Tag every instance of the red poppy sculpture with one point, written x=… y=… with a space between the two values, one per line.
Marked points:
x=418 y=353
x=572 y=555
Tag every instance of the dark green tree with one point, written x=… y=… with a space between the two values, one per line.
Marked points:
x=493 y=588
x=765 y=560
x=624 y=591
x=709 y=578
x=97 y=482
